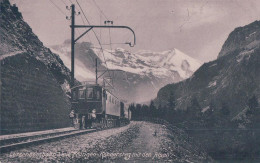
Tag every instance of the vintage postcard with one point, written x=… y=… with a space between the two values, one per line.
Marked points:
x=130 y=81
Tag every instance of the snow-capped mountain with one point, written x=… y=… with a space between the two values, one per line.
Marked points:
x=142 y=73
x=159 y=64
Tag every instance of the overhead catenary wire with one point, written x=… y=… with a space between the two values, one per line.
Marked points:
x=58 y=8
x=101 y=11
x=114 y=43
x=64 y=2
x=89 y=24
x=108 y=19
x=83 y=23
x=102 y=50
x=110 y=41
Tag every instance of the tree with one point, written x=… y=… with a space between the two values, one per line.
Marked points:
x=160 y=111
x=122 y=110
x=171 y=101
x=138 y=110
x=194 y=111
x=145 y=111
x=133 y=110
x=152 y=109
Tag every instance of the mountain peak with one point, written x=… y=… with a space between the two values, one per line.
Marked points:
x=148 y=62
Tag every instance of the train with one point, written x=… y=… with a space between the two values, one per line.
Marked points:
x=93 y=106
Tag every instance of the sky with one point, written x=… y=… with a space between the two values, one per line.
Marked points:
x=198 y=28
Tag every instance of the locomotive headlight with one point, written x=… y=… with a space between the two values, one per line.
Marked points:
x=94 y=111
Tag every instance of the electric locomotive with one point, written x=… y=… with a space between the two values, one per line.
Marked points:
x=96 y=107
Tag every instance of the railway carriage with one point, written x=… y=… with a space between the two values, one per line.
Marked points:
x=95 y=106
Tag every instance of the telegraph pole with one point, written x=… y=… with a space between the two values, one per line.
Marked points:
x=96 y=72
x=72 y=42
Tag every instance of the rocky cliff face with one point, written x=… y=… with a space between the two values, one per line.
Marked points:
x=142 y=73
x=33 y=79
x=231 y=80
x=242 y=38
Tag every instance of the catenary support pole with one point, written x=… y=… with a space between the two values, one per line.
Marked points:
x=72 y=42
x=96 y=72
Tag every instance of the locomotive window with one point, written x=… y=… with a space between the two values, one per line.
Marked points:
x=98 y=95
x=90 y=93
x=109 y=98
x=112 y=100
x=81 y=94
x=74 y=95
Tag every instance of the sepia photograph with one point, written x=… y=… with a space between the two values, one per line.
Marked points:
x=130 y=81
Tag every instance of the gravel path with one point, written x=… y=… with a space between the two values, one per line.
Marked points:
x=136 y=142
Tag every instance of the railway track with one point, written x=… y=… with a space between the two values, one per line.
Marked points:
x=14 y=142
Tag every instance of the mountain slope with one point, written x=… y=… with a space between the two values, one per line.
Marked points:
x=142 y=73
x=230 y=80
x=33 y=79
x=242 y=38
x=219 y=105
